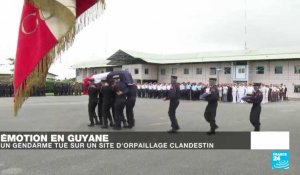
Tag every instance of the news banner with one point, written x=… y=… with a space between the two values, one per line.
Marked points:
x=144 y=140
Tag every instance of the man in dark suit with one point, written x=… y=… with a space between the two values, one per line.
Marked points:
x=255 y=99
x=211 y=108
x=173 y=95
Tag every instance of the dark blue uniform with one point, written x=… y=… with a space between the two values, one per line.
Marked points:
x=93 y=101
x=120 y=102
x=173 y=95
x=256 y=99
x=211 y=109
x=130 y=103
x=108 y=96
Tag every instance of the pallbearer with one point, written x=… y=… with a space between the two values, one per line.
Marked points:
x=256 y=99
x=100 y=103
x=108 y=96
x=93 y=101
x=130 y=103
x=121 y=90
x=173 y=95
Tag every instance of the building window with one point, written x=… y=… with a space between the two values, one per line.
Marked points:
x=227 y=70
x=77 y=72
x=102 y=71
x=297 y=69
x=186 y=71
x=146 y=71
x=136 y=71
x=174 y=71
x=241 y=70
x=213 y=71
x=109 y=69
x=278 y=69
x=90 y=71
x=84 y=72
x=297 y=88
x=260 y=70
x=162 y=71
x=199 y=71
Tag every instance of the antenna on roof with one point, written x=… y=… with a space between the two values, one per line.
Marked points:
x=245 y=25
x=106 y=43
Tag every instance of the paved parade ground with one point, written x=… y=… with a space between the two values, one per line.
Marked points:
x=70 y=114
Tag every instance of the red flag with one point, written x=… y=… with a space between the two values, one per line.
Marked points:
x=47 y=28
x=85 y=83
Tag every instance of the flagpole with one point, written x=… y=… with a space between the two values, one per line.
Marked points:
x=245 y=13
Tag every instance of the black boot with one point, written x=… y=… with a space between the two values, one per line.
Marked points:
x=128 y=126
x=105 y=126
x=117 y=127
x=91 y=125
x=212 y=130
x=173 y=130
x=97 y=122
x=257 y=128
x=125 y=124
x=101 y=122
x=111 y=124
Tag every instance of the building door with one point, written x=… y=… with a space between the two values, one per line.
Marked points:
x=240 y=71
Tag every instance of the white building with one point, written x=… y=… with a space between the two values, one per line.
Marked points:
x=251 y=66
x=6 y=71
x=51 y=76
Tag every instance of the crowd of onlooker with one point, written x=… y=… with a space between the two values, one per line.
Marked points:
x=57 y=88
x=64 y=89
x=6 y=89
x=228 y=92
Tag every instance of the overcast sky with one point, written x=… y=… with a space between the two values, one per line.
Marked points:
x=169 y=26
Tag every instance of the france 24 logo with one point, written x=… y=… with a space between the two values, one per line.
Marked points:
x=280 y=160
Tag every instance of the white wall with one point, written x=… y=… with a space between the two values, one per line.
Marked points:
x=193 y=76
x=288 y=76
x=152 y=71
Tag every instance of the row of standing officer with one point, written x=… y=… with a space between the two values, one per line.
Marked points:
x=6 y=90
x=62 y=89
x=188 y=91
